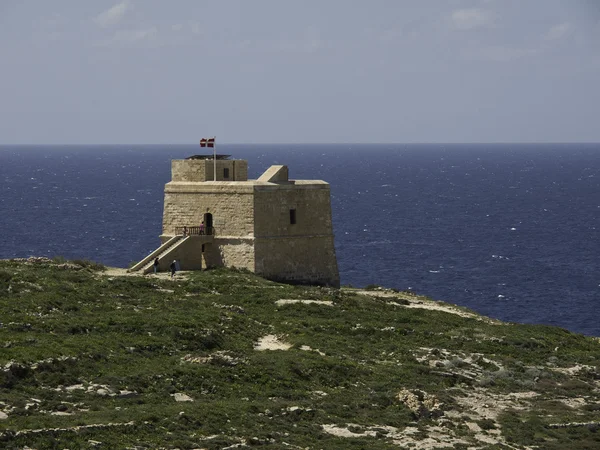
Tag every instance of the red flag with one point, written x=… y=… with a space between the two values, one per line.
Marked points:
x=210 y=142
x=203 y=142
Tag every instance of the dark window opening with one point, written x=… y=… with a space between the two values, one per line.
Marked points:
x=292 y=216
x=226 y=172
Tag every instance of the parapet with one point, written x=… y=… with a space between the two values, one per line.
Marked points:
x=201 y=170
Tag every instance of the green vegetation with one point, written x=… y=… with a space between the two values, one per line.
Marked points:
x=90 y=358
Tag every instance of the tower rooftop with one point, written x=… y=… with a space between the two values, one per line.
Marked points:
x=208 y=157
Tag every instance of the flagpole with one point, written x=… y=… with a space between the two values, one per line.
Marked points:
x=215 y=157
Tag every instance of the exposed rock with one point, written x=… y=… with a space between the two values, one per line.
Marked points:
x=127 y=394
x=271 y=342
x=574 y=425
x=33 y=260
x=70 y=429
x=180 y=397
x=103 y=392
x=220 y=358
x=69 y=266
x=234 y=308
x=409 y=437
x=292 y=301
x=306 y=348
x=422 y=405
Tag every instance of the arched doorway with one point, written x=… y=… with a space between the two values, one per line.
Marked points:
x=208 y=223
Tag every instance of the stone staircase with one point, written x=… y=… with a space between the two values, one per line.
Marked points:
x=146 y=265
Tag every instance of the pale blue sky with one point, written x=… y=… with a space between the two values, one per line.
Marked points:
x=274 y=71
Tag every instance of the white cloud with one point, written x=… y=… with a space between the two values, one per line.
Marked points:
x=125 y=37
x=113 y=15
x=558 y=31
x=498 y=53
x=471 y=18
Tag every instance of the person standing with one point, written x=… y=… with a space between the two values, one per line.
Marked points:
x=202 y=227
x=156 y=265
x=173 y=268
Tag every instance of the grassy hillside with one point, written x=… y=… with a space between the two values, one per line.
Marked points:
x=224 y=359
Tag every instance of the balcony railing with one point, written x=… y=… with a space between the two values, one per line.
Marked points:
x=195 y=231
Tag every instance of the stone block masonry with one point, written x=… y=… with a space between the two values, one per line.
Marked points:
x=276 y=227
x=301 y=259
x=199 y=170
x=231 y=207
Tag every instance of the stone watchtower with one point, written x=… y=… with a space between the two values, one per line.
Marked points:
x=276 y=227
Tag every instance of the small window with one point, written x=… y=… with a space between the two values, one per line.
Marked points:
x=292 y=216
x=226 y=172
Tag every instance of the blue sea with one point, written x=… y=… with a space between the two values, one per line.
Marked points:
x=511 y=231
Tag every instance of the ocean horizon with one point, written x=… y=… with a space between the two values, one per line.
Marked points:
x=508 y=230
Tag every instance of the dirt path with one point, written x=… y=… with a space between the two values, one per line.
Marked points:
x=119 y=272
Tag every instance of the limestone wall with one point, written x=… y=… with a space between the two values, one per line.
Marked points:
x=188 y=170
x=302 y=251
x=272 y=205
x=231 y=205
x=200 y=170
x=308 y=259
x=189 y=255
x=237 y=170
x=240 y=169
x=237 y=253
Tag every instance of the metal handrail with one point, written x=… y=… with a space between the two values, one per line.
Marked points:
x=195 y=231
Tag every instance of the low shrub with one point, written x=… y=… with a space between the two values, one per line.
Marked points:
x=486 y=424
x=87 y=264
x=372 y=287
x=5 y=278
